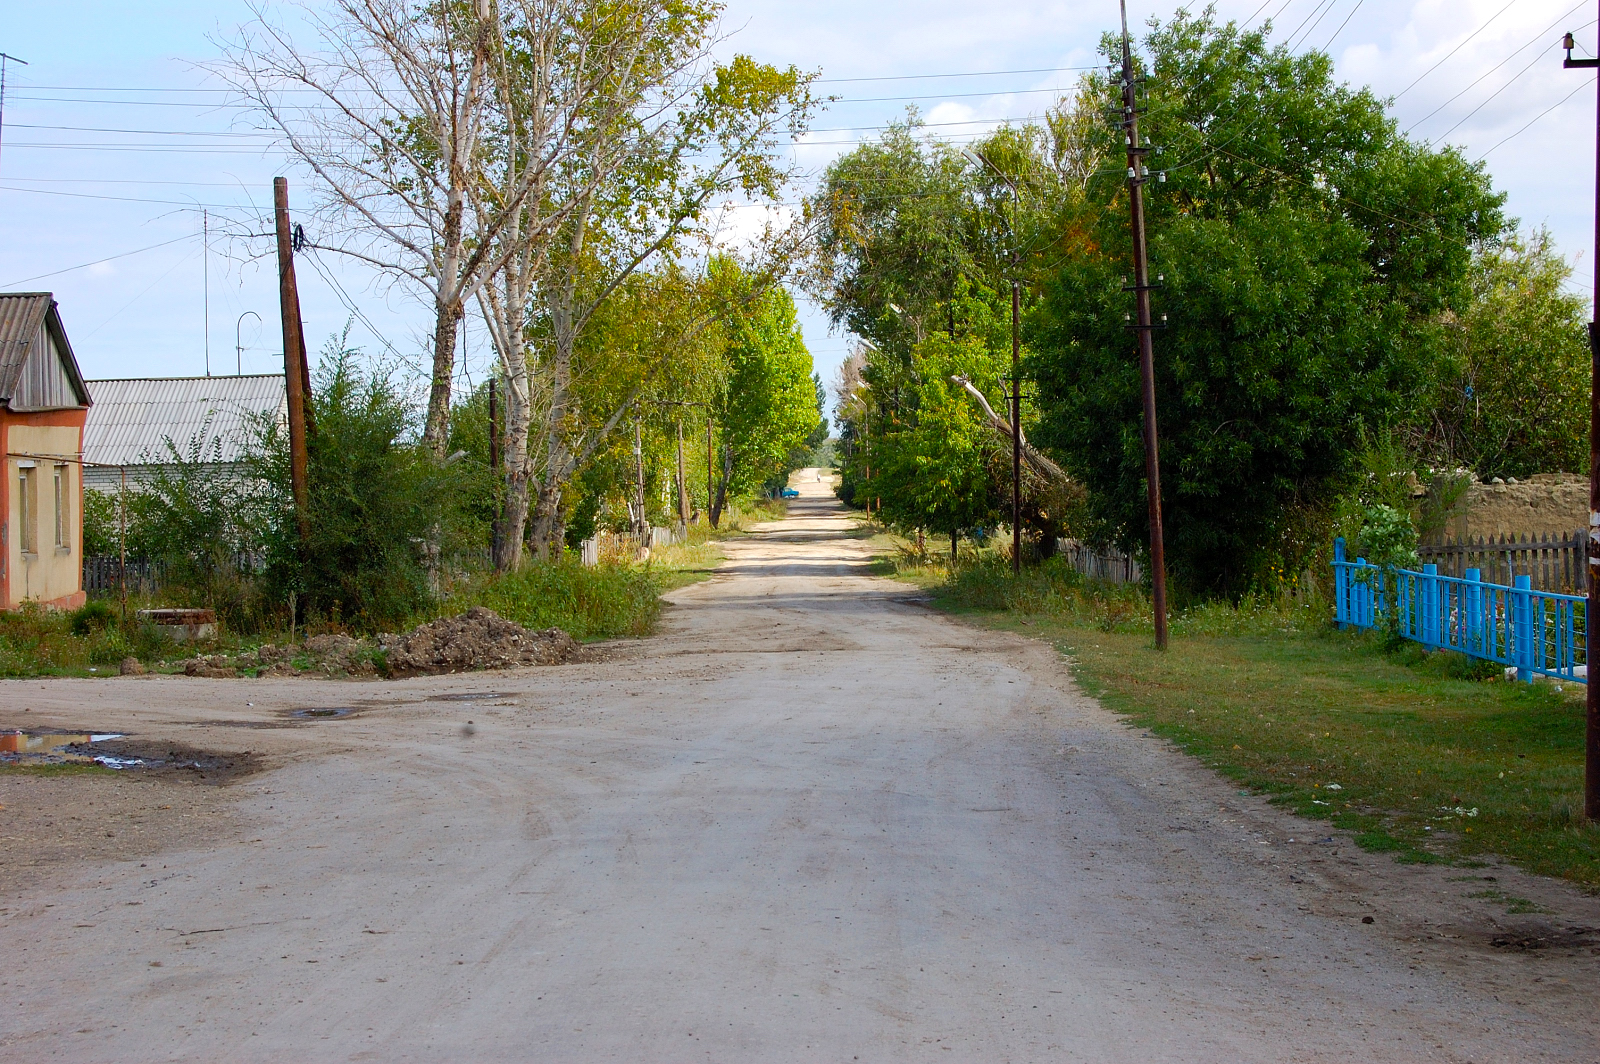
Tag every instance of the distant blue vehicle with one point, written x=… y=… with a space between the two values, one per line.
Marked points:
x=788 y=493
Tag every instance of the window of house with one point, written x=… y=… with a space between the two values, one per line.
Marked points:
x=26 y=507
x=61 y=485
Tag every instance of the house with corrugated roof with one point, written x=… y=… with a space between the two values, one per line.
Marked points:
x=44 y=403
x=212 y=418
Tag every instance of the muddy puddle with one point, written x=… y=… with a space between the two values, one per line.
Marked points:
x=117 y=751
x=58 y=748
x=322 y=712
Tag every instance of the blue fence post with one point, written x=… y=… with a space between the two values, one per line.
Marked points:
x=1428 y=605
x=1522 y=626
x=1365 y=592
x=1341 y=577
x=1472 y=611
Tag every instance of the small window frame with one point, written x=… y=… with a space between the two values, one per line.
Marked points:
x=63 y=493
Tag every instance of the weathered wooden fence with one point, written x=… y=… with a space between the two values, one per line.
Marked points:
x=1535 y=632
x=624 y=547
x=1551 y=562
x=102 y=572
x=1110 y=565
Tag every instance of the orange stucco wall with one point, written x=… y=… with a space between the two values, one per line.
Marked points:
x=61 y=584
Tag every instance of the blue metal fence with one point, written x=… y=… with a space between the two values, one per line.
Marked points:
x=1534 y=632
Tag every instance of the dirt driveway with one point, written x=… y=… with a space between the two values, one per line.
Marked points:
x=810 y=821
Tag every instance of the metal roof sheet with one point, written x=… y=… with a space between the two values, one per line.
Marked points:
x=131 y=419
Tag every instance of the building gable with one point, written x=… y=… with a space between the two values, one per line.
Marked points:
x=37 y=368
x=45 y=382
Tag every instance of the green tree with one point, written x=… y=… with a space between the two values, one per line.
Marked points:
x=1309 y=255
x=767 y=407
x=377 y=498
x=933 y=465
x=1517 y=399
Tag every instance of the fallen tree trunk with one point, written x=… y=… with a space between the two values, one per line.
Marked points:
x=1036 y=462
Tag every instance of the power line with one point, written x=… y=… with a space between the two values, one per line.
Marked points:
x=96 y=262
x=128 y=199
x=1534 y=40
x=1329 y=43
x=148 y=132
x=1323 y=6
x=1490 y=99
x=1465 y=41
x=1536 y=118
x=819 y=81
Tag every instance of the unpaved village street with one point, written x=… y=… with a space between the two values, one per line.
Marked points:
x=811 y=820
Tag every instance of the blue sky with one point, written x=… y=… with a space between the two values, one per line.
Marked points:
x=149 y=152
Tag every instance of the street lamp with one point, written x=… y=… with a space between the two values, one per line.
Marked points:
x=238 y=347
x=1016 y=367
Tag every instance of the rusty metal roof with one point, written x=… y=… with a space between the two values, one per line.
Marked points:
x=22 y=315
x=132 y=419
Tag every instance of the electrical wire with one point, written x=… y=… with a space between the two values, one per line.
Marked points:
x=142 y=132
x=1467 y=40
x=142 y=293
x=1324 y=6
x=126 y=199
x=1486 y=73
x=1491 y=97
x=1329 y=43
x=1585 y=84
x=819 y=81
x=96 y=262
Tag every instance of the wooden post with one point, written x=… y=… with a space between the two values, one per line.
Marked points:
x=295 y=373
x=1141 y=285
x=683 y=484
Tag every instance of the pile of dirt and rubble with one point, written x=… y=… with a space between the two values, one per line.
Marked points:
x=477 y=639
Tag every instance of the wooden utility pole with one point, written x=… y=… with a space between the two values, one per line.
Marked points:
x=296 y=376
x=711 y=486
x=1591 y=742
x=1147 y=363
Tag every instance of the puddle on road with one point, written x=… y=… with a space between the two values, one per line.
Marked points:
x=322 y=712
x=476 y=696
x=56 y=748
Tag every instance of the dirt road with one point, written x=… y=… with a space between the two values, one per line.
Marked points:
x=810 y=821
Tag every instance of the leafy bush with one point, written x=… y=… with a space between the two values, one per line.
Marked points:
x=377 y=498
x=587 y=602
x=91 y=617
x=100 y=523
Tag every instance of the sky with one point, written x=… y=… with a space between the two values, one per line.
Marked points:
x=118 y=147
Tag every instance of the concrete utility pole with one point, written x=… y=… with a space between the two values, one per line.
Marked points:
x=1591 y=743
x=295 y=373
x=1147 y=363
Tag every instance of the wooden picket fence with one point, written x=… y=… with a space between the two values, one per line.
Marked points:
x=1552 y=561
x=1111 y=565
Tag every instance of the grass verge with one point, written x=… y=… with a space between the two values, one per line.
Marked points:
x=1428 y=756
